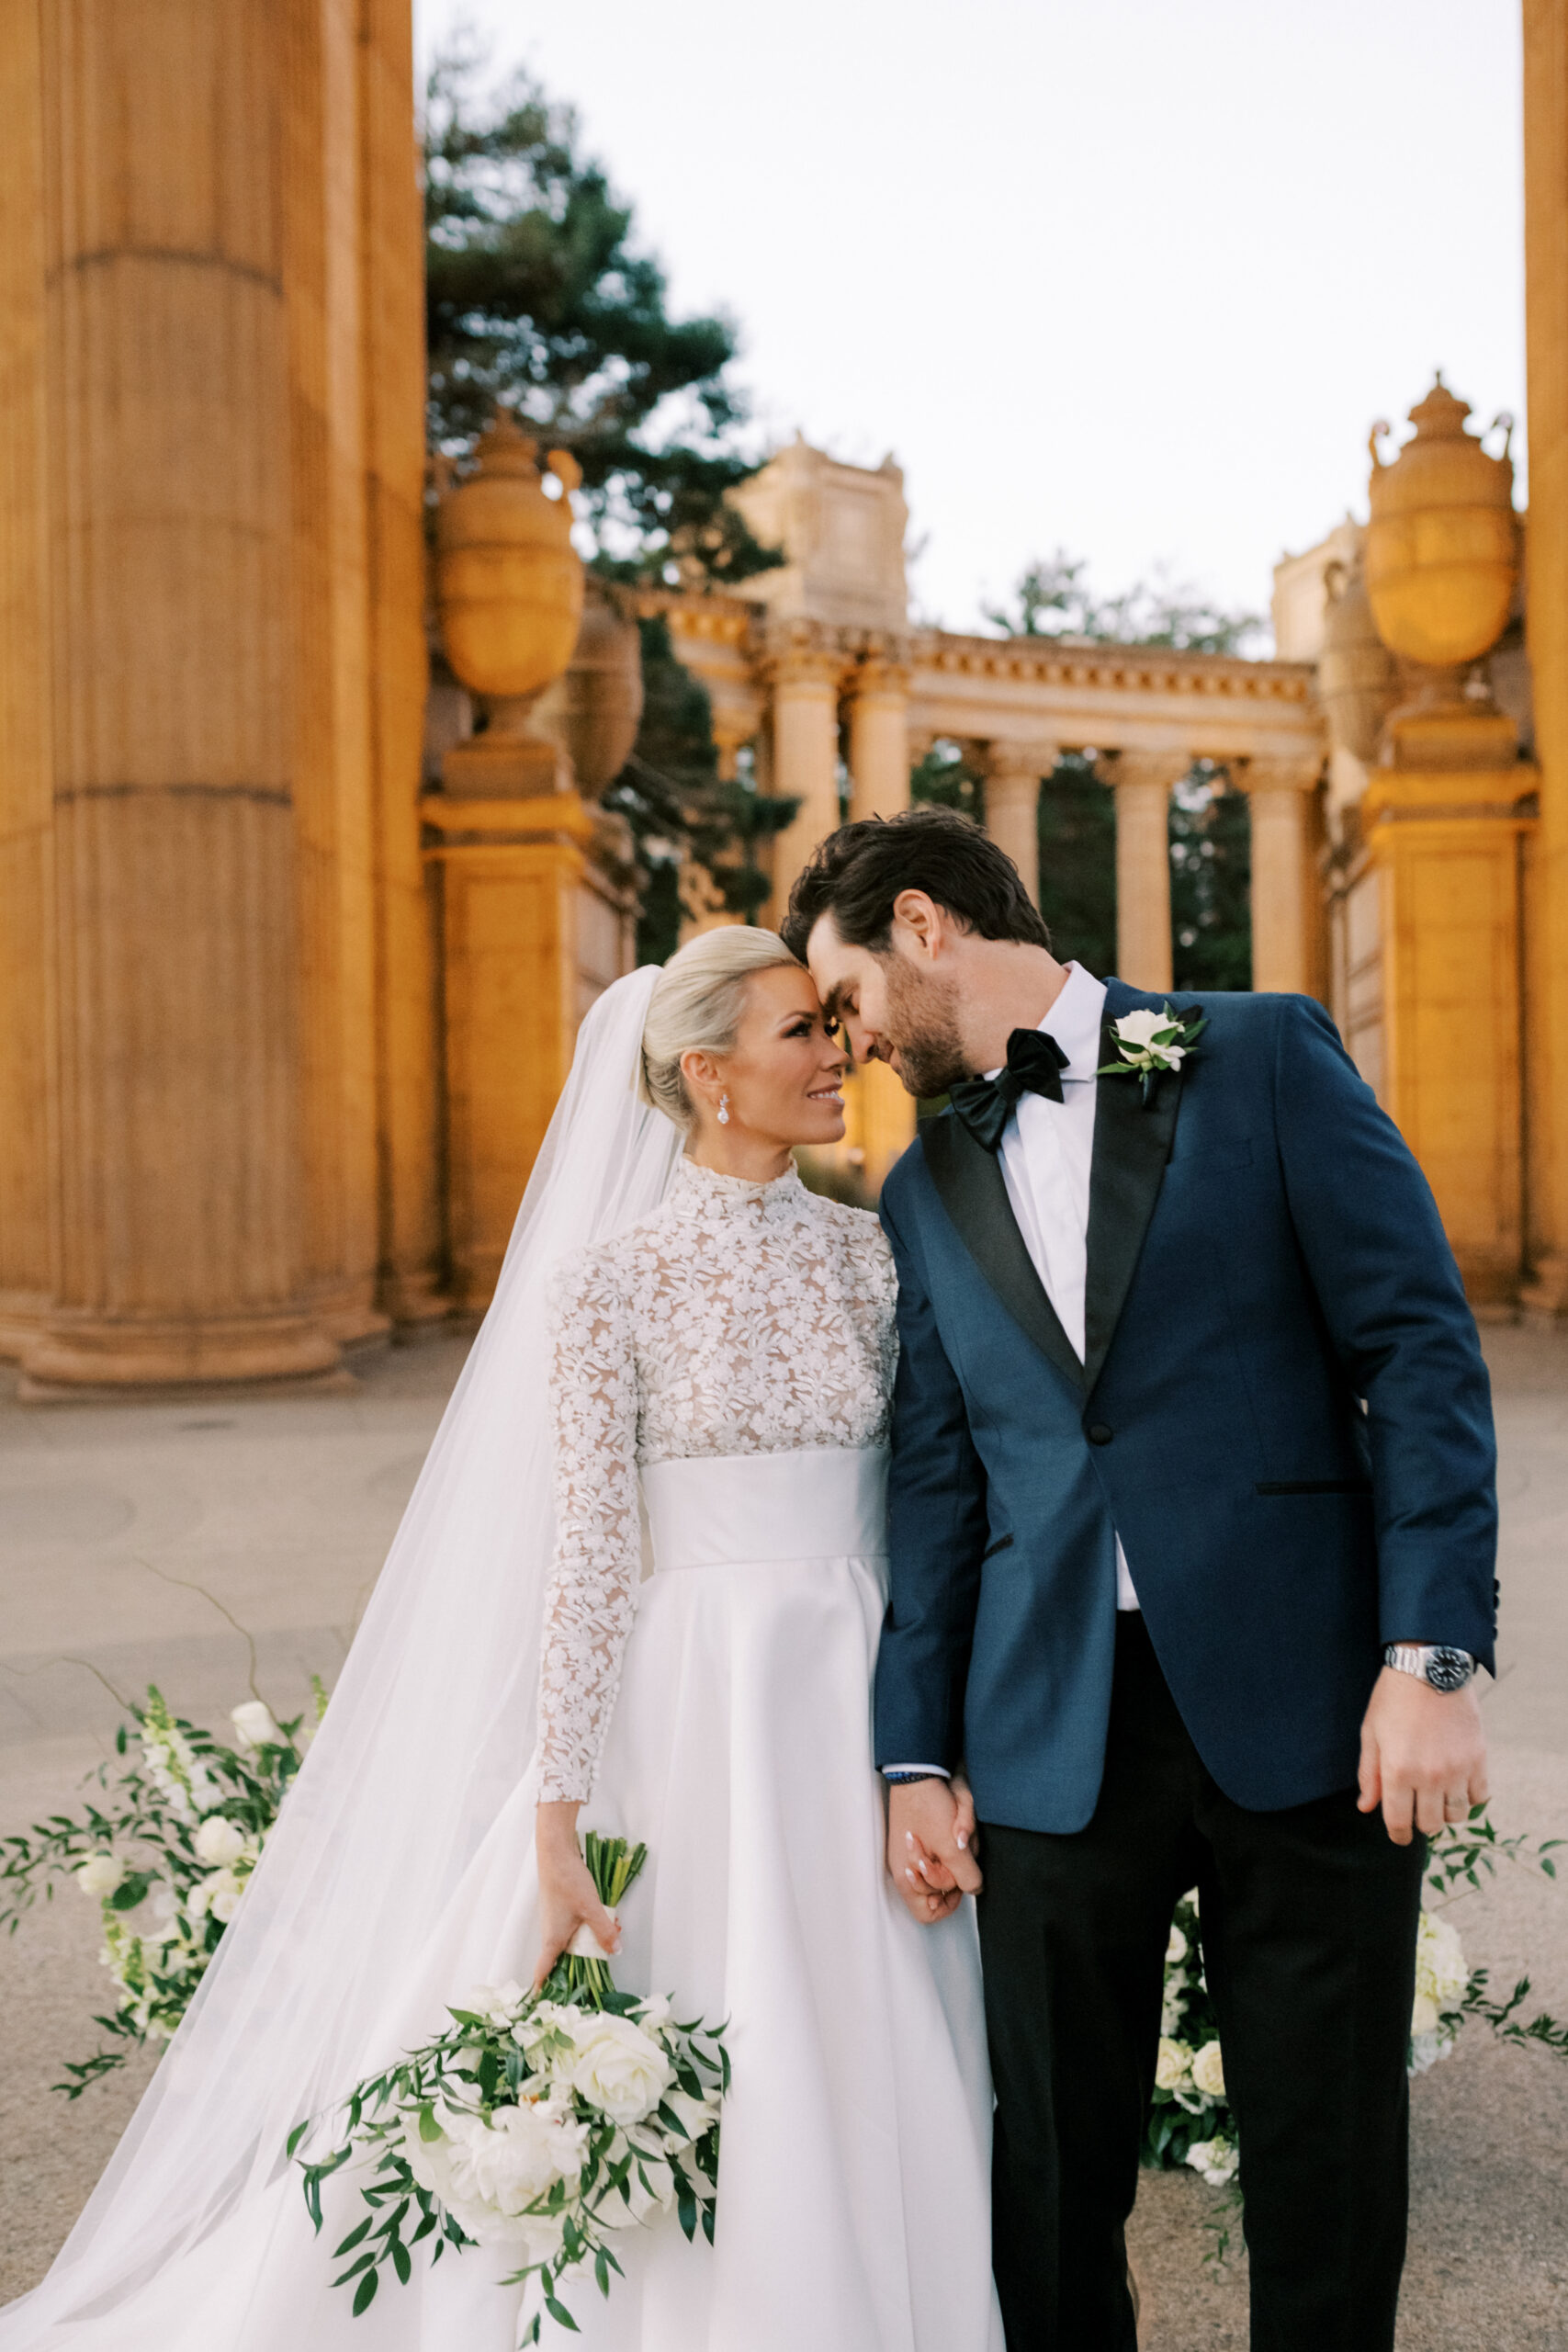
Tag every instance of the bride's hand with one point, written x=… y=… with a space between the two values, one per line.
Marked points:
x=568 y=1896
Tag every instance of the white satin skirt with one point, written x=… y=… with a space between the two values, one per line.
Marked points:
x=854 y=2193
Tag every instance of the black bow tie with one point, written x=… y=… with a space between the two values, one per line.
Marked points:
x=1034 y=1065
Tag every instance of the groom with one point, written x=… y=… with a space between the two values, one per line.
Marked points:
x=1191 y=1531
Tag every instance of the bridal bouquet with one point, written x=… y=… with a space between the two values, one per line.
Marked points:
x=166 y=1856
x=545 y=2122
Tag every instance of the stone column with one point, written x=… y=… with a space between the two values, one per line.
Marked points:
x=1143 y=781
x=1280 y=796
x=1014 y=772
x=805 y=678
x=177 y=1212
x=879 y=738
x=1545 y=610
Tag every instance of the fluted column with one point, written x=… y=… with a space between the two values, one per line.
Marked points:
x=178 y=1218
x=1013 y=773
x=1143 y=781
x=1546 y=622
x=805 y=678
x=1280 y=798
x=879 y=738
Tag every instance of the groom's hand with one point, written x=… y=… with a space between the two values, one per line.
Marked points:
x=1423 y=1755
x=930 y=1832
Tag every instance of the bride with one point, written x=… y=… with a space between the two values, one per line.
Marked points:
x=638 y=1589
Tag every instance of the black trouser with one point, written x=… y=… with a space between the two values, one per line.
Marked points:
x=1308 y=1921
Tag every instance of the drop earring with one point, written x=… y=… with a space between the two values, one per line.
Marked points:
x=724 y=1110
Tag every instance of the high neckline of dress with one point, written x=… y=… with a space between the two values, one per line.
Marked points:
x=696 y=1188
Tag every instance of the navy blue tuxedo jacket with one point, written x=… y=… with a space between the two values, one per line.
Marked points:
x=1283 y=1412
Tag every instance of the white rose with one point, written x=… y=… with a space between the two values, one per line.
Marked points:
x=218 y=1841
x=256 y=1726
x=99 y=1875
x=618 y=2068
x=1171 y=2007
x=1425 y=2016
x=1175 y=1950
x=1215 y=2159
x=1443 y=1972
x=1209 y=2072
x=1172 y=2065
x=222 y=1893
x=1138 y=1030
x=487 y=2175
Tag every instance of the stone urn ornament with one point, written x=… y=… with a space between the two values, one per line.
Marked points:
x=509 y=592
x=1442 y=543
x=1356 y=675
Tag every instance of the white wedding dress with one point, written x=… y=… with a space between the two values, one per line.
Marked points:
x=721 y=1385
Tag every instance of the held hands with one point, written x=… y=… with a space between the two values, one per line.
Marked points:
x=931 y=1842
x=1423 y=1755
x=568 y=1896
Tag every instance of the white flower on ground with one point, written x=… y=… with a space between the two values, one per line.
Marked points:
x=218 y=1841
x=1209 y=2072
x=618 y=2068
x=1174 y=2003
x=218 y=1893
x=99 y=1875
x=1175 y=1950
x=1173 y=2064
x=1215 y=2159
x=1443 y=1972
x=256 y=1726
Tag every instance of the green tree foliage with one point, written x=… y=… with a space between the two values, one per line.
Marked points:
x=1053 y=598
x=944 y=779
x=681 y=814
x=1078 y=863
x=536 y=294
x=1211 y=880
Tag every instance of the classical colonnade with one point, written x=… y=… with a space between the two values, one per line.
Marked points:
x=798 y=689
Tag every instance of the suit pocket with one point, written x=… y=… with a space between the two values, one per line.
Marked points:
x=1314 y=1487
x=1002 y=1543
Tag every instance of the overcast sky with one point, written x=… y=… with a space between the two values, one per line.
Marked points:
x=1131 y=277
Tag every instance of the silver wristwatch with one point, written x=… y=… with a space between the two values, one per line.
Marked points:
x=1445 y=1669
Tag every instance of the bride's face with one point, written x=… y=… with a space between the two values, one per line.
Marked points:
x=784 y=1073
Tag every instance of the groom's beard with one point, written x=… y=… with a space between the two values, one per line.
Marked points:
x=922 y=1029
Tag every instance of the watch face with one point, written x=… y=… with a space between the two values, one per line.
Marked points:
x=1449 y=1669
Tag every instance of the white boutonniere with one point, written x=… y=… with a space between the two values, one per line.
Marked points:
x=1152 y=1043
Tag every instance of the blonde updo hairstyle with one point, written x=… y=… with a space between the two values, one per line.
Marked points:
x=698 y=1001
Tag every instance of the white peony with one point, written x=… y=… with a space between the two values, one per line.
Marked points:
x=99 y=1875
x=1175 y=1950
x=488 y=2175
x=497 y=2004
x=1215 y=2159
x=1173 y=2064
x=218 y=1841
x=1209 y=2070
x=256 y=1726
x=618 y=2068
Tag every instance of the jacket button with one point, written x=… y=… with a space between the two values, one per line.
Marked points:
x=1098 y=1434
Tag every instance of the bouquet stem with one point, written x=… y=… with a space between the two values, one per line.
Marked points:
x=614 y=1866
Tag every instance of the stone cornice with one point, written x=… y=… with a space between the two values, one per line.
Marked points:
x=1135 y=669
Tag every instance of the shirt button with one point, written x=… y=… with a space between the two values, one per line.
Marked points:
x=1098 y=1434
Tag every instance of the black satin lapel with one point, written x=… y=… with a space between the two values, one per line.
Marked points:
x=1130 y=1147
x=972 y=1189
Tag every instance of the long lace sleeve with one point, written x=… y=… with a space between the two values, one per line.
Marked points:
x=593 y=1593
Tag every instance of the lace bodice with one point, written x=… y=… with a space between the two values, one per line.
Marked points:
x=738 y=1318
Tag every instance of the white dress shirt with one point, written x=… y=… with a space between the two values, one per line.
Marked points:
x=1047 y=1150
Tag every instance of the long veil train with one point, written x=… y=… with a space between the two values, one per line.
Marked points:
x=430 y=1728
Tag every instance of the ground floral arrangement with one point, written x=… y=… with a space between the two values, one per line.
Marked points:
x=183 y=1822
x=543 y=2122
x=166 y=1856
x=1190 y=2121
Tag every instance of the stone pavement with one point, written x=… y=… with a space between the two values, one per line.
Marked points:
x=282 y=1509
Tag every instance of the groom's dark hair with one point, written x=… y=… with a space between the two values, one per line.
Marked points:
x=857 y=873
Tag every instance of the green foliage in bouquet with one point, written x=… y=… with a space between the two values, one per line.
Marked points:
x=166 y=1856
x=542 y=2121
